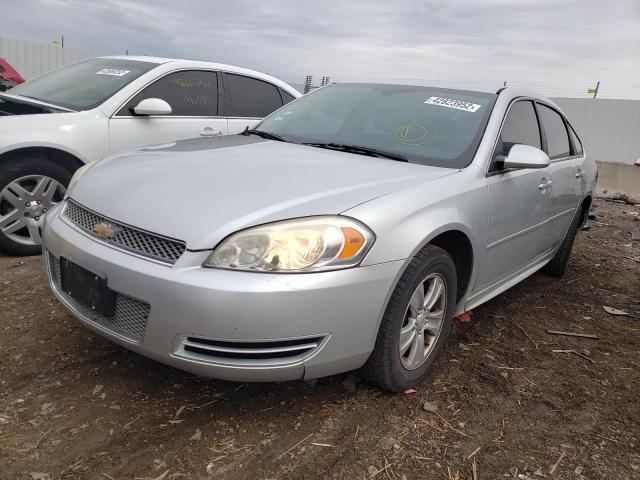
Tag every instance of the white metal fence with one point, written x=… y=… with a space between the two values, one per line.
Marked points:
x=31 y=59
x=610 y=129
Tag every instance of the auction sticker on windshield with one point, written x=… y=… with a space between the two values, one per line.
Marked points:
x=452 y=103
x=114 y=72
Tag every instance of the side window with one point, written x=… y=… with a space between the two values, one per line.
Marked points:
x=520 y=127
x=286 y=98
x=556 y=133
x=576 y=142
x=249 y=97
x=190 y=93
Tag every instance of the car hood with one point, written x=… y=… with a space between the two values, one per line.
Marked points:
x=202 y=190
x=16 y=106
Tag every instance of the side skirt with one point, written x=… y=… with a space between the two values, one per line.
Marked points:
x=497 y=288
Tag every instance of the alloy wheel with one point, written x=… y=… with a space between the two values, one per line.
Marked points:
x=23 y=203
x=423 y=321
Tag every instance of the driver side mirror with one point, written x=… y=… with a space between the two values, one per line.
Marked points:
x=152 y=106
x=526 y=156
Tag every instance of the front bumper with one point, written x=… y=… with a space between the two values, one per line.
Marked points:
x=238 y=326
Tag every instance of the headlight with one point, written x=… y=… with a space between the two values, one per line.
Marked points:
x=302 y=245
x=79 y=172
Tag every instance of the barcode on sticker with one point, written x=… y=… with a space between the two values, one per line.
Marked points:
x=452 y=103
x=114 y=72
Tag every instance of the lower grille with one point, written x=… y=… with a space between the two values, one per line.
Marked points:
x=129 y=319
x=251 y=352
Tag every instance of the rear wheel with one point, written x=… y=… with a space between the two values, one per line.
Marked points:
x=28 y=189
x=416 y=323
x=557 y=266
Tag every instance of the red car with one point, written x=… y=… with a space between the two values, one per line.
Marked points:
x=8 y=76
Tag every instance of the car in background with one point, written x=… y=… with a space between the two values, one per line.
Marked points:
x=346 y=230
x=52 y=125
x=9 y=77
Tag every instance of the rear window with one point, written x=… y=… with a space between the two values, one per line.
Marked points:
x=577 y=145
x=556 y=133
x=250 y=97
x=286 y=97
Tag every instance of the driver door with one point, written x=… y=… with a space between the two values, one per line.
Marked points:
x=193 y=97
x=517 y=200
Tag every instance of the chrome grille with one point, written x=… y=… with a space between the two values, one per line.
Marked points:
x=129 y=238
x=129 y=319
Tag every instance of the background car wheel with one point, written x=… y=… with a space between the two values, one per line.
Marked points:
x=28 y=189
x=416 y=323
x=557 y=266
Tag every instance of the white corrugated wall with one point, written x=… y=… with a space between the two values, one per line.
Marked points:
x=31 y=59
x=610 y=129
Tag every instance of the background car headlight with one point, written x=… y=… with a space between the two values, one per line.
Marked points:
x=300 y=245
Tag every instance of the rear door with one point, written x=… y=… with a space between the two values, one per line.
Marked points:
x=193 y=96
x=248 y=100
x=566 y=173
x=517 y=200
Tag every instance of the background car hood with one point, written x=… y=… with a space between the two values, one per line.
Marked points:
x=202 y=190
x=16 y=106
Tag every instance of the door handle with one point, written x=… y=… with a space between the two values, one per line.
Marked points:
x=544 y=184
x=209 y=132
x=579 y=174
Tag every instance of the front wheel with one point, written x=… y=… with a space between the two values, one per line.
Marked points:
x=416 y=323
x=28 y=189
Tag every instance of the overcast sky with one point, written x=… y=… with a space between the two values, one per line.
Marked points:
x=564 y=45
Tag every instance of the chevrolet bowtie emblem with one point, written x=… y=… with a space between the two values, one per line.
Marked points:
x=104 y=230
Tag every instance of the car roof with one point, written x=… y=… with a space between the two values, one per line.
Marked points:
x=141 y=58
x=183 y=63
x=458 y=86
x=518 y=92
x=504 y=92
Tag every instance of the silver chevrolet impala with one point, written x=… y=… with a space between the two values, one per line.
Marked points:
x=344 y=232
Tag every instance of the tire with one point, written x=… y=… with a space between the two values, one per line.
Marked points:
x=557 y=266
x=27 y=173
x=386 y=367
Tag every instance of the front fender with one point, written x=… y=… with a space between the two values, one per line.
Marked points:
x=83 y=135
x=46 y=145
x=407 y=220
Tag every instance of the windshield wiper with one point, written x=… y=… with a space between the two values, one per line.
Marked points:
x=263 y=134
x=32 y=98
x=359 y=150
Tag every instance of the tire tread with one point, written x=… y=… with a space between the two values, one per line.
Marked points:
x=557 y=266
x=377 y=368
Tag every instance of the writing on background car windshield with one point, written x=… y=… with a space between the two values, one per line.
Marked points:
x=113 y=72
x=453 y=103
x=193 y=82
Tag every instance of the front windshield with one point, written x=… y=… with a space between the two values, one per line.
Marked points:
x=83 y=85
x=432 y=126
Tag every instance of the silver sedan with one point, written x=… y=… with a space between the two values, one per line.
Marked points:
x=345 y=231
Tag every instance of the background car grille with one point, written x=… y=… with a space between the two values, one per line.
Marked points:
x=243 y=353
x=129 y=319
x=129 y=238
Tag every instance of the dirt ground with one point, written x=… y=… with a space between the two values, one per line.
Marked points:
x=74 y=405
